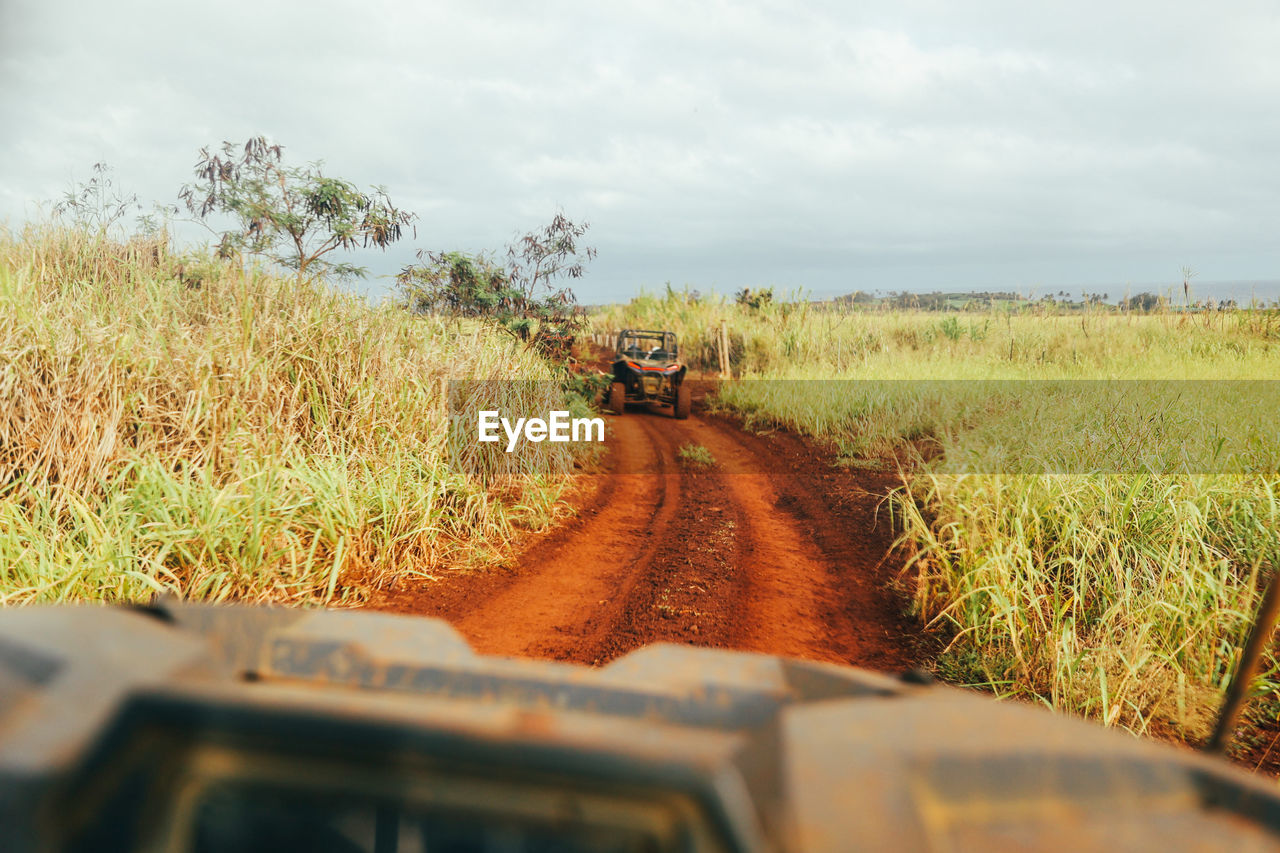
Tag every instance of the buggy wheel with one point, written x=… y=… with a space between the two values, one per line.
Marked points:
x=618 y=398
x=683 y=403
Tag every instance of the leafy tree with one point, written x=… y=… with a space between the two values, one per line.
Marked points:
x=460 y=285
x=1145 y=302
x=293 y=215
x=754 y=299
x=527 y=298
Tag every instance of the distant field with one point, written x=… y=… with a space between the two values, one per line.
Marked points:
x=175 y=424
x=1104 y=562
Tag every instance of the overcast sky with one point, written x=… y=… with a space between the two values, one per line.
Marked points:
x=830 y=146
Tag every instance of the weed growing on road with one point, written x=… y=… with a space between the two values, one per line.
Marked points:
x=695 y=456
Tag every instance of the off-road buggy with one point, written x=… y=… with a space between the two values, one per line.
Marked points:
x=647 y=369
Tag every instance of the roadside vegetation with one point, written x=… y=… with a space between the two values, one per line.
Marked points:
x=223 y=423
x=1100 y=554
x=237 y=435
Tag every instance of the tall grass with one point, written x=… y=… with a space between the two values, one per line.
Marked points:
x=179 y=424
x=802 y=341
x=1082 y=555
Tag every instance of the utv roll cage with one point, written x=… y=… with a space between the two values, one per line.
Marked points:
x=648 y=344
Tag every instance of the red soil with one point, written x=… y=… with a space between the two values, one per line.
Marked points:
x=770 y=549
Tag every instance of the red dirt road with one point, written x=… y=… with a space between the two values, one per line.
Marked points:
x=770 y=550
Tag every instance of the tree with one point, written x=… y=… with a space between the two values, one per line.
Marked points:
x=755 y=299
x=537 y=264
x=526 y=298
x=293 y=215
x=1145 y=302
x=460 y=285
x=538 y=258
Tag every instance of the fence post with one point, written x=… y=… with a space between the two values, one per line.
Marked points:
x=725 y=372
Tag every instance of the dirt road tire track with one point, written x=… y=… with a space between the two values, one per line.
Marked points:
x=770 y=550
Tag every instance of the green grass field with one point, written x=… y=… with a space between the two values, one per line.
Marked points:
x=1100 y=559
x=221 y=434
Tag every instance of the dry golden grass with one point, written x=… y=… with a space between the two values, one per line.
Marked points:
x=178 y=424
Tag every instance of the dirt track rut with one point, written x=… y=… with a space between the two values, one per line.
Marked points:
x=770 y=550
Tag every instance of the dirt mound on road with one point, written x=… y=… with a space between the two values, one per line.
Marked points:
x=770 y=549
